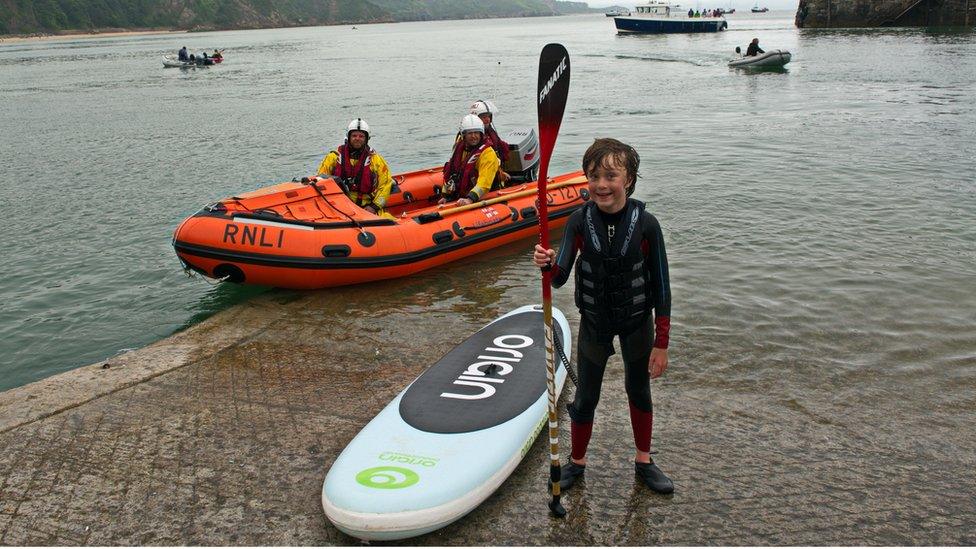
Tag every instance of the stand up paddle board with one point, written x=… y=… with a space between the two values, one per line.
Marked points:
x=451 y=438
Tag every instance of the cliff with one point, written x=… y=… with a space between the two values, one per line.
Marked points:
x=885 y=13
x=53 y=16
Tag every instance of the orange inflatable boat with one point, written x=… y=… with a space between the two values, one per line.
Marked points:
x=310 y=235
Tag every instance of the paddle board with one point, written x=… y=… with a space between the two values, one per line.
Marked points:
x=450 y=439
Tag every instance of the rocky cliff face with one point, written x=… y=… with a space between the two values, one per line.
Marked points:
x=881 y=13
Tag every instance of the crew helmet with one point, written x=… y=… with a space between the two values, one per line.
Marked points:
x=471 y=123
x=358 y=125
x=481 y=107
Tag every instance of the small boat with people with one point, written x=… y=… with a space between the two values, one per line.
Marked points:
x=757 y=9
x=771 y=58
x=186 y=60
x=661 y=17
x=307 y=233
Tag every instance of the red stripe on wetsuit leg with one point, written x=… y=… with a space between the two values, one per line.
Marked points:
x=642 y=423
x=662 y=331
x=580 y=436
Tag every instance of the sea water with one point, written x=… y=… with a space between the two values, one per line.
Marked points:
x=818 y=217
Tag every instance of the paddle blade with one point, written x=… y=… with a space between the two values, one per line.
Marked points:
x=553 y=90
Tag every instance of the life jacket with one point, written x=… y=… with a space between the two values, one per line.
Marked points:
x=612 y=290
x=359 y=178
x=501 y=147
x=463 y=175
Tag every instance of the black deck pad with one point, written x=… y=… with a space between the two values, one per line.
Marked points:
x=497 y=368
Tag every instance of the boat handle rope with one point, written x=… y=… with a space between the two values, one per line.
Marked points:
x=313 y=182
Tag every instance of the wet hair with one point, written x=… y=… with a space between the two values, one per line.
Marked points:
x=604 y=151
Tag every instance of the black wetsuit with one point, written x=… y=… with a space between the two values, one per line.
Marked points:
x=595 y=341
x=753 y=49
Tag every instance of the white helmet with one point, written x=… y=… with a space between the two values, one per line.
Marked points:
x=481 y=107
x=471 y=123
x=358 y=125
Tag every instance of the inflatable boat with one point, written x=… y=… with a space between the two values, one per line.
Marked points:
x=772 y=58
x=307 y=234
x=170 y=61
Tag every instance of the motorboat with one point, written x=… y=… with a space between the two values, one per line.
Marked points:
x=660 y=17
x=307 y=234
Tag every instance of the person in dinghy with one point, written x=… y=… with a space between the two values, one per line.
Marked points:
x=361 y=172
x=473 y=166
x=623 y=291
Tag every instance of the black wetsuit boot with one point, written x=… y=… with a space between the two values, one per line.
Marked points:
x=654 y=478
x=569 y=473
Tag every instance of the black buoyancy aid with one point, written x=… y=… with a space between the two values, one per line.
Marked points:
x=463 y=172
x=612 y=290
x=358 y=178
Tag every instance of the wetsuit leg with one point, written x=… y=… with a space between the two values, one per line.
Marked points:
x=591 y=363
x=635 y=349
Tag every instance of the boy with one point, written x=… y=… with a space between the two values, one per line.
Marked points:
x=622 y=289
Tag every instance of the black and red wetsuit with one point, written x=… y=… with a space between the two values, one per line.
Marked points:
x=622 y=290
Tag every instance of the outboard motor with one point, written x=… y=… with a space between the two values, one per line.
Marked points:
x=523 y=156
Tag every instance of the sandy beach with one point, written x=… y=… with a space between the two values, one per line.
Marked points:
x=76 y=34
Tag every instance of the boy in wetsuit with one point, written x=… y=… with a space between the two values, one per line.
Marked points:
x=622 y=290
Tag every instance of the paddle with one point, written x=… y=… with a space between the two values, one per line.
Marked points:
x=552 y=91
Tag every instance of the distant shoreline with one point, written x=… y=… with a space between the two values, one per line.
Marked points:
x=35 y=37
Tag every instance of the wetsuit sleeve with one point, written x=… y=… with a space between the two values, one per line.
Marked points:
x=567 y=249
x=384 y=182
x=657 y=267
x=487 y=168
x=328 y=163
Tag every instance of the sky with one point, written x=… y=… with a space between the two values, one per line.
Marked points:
x=737 y=4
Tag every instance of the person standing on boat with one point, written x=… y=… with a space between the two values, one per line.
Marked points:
x=691 y=13
x=183 y=55
x=754 y=48
x=622 y=290
x=473 y=166
x=485 y=110
x=361 y=172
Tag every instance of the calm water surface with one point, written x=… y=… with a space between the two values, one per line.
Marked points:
x=820 y=219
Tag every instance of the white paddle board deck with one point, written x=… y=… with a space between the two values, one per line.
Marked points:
x=450 y=439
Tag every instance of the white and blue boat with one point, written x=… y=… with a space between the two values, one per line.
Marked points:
x=657 y=18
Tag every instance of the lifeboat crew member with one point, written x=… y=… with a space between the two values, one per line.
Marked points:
x=486 y=110
x=361 y=172
x=623 y=291
x=473 y=166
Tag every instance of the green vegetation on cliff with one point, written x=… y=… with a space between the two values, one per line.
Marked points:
x=52 y=16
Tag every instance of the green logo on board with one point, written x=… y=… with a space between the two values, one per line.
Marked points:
x=387 y=478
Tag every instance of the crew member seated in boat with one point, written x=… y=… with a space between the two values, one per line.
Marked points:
x=754 y=48
x=183 y=55
x=361 y=172
x=217 y=54
x=473 y=166
x=486 y=110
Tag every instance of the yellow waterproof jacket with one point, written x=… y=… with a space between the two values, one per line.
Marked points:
x=487 y=166
x=383 y=182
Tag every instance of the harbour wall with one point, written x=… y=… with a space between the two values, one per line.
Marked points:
x=885 y=13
